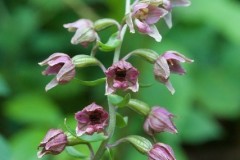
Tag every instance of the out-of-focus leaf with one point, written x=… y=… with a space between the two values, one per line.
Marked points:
x=4 y=89
x=209 y=15
x=199 y=127
x=24 y=144
x=75 y=153
x=5 y=153
x=219 y=93
x=32 y=108
x=121 y=121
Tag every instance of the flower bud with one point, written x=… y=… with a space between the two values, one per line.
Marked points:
x=84 y=32
x=92 y=118
x=121 y=75
x=161 y=151
x=159 y=120
x=61 y=65
x=53 y=143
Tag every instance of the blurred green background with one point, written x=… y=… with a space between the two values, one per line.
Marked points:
x=207 y=98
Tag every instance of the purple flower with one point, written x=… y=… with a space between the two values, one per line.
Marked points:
x=61 y=65
x=168 y=63
x=169 y=4
x=84 y=32
x=161 y=151
x=53 y=143
x=145 y=15
x=92 y=118
x=121 y=75
x=159 y=120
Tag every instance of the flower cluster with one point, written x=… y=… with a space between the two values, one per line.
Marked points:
x=93 y=122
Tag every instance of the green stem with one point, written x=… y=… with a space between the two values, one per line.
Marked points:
x=121 y=34
x=110 y=131
x=112 y=111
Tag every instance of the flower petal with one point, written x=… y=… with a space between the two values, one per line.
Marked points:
x=51 y=84
x=180 y=3
x=139 y=6
x=154 y=14
x=154 y=33
x=143 y=27
x=168 y=19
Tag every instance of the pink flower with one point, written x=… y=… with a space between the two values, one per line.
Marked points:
x=84 y=32
x=168 y=63
x=61 y=65
x=159 y=120
x=145 y=15
x=92 y=118
x=121 y=75
x=161 y=151
x=169 y=4
x=53 y=143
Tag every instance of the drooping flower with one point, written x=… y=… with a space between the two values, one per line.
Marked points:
x=168 y=63
x=61 y=65
x=53 y=143
x=92 y=118
x=84 y=32
x=161 y=151
x=144 y=15
x=169 y=5
x=159 y=120
x=121 y=75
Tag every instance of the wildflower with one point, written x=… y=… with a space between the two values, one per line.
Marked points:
x=161 y=151
x=53 y=143
x=168 y=63
x=84 y=32
x=92 y=118
x=121 y=75
x=145 y=15
x=61 y=65
x=169 y=4
x=159 y=120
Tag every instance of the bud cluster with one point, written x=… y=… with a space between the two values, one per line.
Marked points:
x=94 y=123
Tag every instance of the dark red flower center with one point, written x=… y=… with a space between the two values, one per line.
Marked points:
x=120 y=75
x=95 y=117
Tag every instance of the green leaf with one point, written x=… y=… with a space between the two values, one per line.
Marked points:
x=75 y=153
x=121 y=121
x=111 y=44
x=93 y=138
x=92 y=83
x=118 y=100
x=33 y=108
x=5 y=153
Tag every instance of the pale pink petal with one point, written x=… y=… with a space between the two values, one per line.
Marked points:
x=51 y=84
x=154 y=14
x=180 y=3
x=154 y=33
x=139 y=6
x=143 y=27
x=168 y=19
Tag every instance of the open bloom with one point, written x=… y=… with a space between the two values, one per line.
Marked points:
x=168 y=63
x=84 y=32
x=145 y=15
x=92 y=118
x=159 y=120
x=169 y=4
x=61 y=65
x=161 y=151
x=121 y=75
x=53 y=143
